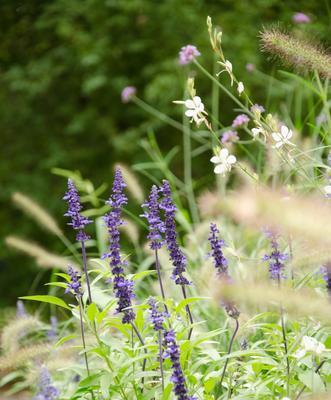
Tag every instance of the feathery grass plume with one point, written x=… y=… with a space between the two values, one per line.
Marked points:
x=269 y=296
x=39 y=214
x=300 y=54
x=132 y=183
x=43 y=258
x=14 y=330
x=299 y=217
x=20 y=357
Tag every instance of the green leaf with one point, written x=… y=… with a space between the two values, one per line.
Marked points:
x=57 y=284
x=312 y=380
x=47 y=299
x=189 y=300
x=92 y=312
x=65 y=339
x=167 y=392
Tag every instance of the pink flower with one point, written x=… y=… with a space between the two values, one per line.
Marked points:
x=127 y=93
x=229 y=137
x=240 y=119
x=187 y=54
x=300 y=18
x=250 y=67
x=256 y=108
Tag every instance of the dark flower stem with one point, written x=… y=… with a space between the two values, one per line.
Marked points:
x=188 y=312
x=304 y=386
x=282 y=320
x=229 y=350
x=143 y=344
x=161 y=360
x=80 y=306
x=158 y=269
x=85 y=271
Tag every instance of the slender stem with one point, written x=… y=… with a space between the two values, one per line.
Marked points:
x=304 y=386
x=143 y=344
x=229 y=350
x=80 y=306
x=158 y=269
x=282 y=320
x=188 y=312
x=85 y=272
x=161 y=360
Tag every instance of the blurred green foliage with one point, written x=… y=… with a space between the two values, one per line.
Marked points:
x=63 y=64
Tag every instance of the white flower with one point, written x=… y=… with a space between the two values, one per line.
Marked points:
x=256 y=132
x=224 y=162
x=240 y=88
x=310 y=345
x=282 y=137
x=195 y=109
x=227 y=68
x=327 y=190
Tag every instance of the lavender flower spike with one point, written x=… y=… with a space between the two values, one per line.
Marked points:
x=155 y=225
x=176 y=255
x=216 y=244
x=74 y=286
x=46 y=389
x=276 y=258
x=123 y=288
x=177 y=377
x=188 y=54
x=78 y=221
x=157 y=317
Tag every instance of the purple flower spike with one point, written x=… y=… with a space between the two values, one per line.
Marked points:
x=127 y=93
x=46 y=389
x=20 y=309
x=176 y=255
x=240 y=120
x=152 y=214
x=157 y=317
x=123 y=288
x=187 y=54
x=78 y=221
x=326 y=271
x=74 y=286
x=177 y=377
x=300 y=18
x=276 y=258
x=216 y=244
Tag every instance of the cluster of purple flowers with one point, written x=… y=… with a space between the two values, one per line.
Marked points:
x=123 y=287
x=326 y=272
x=187 y=54
x=157 y=317
x=257 y=109
x=216 y=244
x=127 y=93
x=176 y=255
x=74 y=285
x=177 y=377
x=78 y=221
x=240 y=120
x=300 y=18
x=155 y=224
x=46 y=390
x=229 y=137
x=276 y=258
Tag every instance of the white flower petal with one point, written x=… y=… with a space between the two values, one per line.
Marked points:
x=189 y=104
x=190 y=113
x=231 y=159
x=197 y=101
x=327 y=189
x=215 y=160
x=220 y=169
x=224 y=154
x=276 y=136
x=284 y=131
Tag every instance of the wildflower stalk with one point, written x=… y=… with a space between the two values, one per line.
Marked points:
x=85 y=271
x=188 y=312
x=229 y=350
x=145 y=351
x=161 y=360
x=158 y=269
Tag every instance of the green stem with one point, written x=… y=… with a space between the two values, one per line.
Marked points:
x=229 y=350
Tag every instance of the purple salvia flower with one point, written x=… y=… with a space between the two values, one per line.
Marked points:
x=20 y=309
x=127 y=93
x=216 y=244
x=187 y=54
x=240 y=120
x=123 y=288
x=46 y=389
x=74 y=286
x=229 y=137
x=157 y=317
x=52 y=333
x=152 y=214
x=176 y=255
x=177 y=377
x=78 y=221
x=326 y=271
x=300 y=18
x=276 y=258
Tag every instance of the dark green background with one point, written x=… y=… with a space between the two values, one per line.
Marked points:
x=63 y=64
